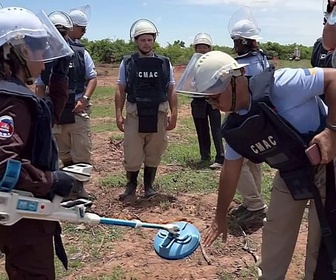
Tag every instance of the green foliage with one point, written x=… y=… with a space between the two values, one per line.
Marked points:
x=112 y=51
x=273 y=49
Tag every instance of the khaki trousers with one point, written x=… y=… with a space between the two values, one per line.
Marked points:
x=146 y=148
x=249 y=186
x=74 y=140
x=281 y=230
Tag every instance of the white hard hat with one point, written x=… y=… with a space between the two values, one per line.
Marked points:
x=21 y=27
x=60 y=18
x=143 y=26
x=245 y=29
x=202 y=38
x=208 y=74
x=243 y=25
x=79 y=18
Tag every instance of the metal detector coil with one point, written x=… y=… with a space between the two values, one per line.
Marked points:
x=176 y=246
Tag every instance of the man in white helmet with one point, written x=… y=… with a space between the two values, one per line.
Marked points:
x=146 y=84
x=27 y=41
x=63 y=23
x=72 y=132
x=273 y=117
x=203 y=115
x=245 y=33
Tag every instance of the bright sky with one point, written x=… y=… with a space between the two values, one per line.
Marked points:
x=282 y=21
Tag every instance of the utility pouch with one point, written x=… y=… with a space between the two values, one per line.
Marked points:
x=299 y=182
x=148 y=116
x=68 y=116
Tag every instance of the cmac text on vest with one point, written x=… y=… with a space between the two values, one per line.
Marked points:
x=263 y=145
x=148 y=74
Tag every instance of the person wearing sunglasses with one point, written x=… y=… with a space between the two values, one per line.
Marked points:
x=245 y=34
x=273 y=117
x=73 y=132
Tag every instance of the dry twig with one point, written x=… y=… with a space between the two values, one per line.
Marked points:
x=205 y=255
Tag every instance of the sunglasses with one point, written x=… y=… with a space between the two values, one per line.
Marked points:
x=82 y=28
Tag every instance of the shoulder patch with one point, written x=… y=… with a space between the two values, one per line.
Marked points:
x=309 y=71
x=6 y=126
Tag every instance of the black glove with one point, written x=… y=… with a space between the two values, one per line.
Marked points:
x=61 y=66
x=62 y=183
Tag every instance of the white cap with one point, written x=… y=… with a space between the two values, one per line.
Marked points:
x=143 y=26
x=202 y=38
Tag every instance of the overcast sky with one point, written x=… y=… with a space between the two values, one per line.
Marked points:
x=282 y=21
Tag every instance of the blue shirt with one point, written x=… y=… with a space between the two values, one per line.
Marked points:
x=295 y=95
x=256 y=63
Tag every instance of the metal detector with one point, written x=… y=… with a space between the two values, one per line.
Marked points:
x=173 y=241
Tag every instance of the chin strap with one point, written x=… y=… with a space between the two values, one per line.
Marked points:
x=234 y=94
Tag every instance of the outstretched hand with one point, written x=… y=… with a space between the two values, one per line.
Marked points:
x=218 y=227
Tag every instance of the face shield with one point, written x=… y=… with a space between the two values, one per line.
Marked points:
x=204 y=80
x=39 y=42
x=243 y=25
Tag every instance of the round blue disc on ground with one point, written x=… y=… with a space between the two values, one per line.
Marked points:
x=177 y=246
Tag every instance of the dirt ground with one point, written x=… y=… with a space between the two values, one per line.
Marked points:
x=134 y=252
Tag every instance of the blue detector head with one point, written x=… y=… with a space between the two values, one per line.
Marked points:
x=179 y=245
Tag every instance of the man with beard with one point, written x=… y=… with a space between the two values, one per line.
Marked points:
x=146 y=84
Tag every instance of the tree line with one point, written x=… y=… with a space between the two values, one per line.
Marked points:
x=112 y=51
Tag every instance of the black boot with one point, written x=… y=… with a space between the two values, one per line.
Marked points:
x=132 y=182
x=149 y=177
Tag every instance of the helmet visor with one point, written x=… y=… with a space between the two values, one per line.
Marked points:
x=196 y=82
x=45 y=44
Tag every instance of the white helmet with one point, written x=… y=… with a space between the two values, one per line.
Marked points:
x=61 y=19
x=208 y=74
x=21 y=28
x=79 y=18
x=202 y=38
x=243 y=25
x=245 y=29
x=143 y=26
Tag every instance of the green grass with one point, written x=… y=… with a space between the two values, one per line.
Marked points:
x=88 y=246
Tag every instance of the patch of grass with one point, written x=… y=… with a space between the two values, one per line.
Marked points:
x=103 y=102
x=118 y=273
x=112 y=180
x=188 y=180
x=87 y=246
x=103 y=125
x=303 y=63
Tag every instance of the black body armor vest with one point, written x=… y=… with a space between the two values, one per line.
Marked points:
x=262 y=135
x=77 y=81
x=147 y=78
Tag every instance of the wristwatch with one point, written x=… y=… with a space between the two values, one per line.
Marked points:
x=332 y=127
x=86 y=98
